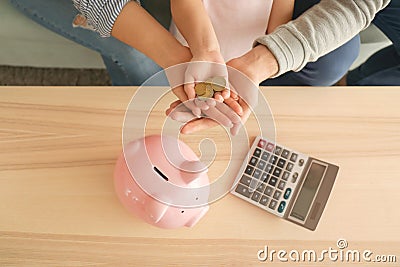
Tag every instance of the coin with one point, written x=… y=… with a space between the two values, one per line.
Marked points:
x=200 y=88
x=218 y=83
x=209 y=91
x=209 y=81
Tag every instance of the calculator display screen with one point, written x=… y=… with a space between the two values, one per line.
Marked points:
x=308 y=191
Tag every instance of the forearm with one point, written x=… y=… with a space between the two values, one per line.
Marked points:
x=321 y=29
x=194 y=24
x=130 y=23
x=135 y=27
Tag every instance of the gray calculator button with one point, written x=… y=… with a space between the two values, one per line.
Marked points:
x=285 y=154
x=257 y=174
x=256 y=196
x=257 y=152
x=272 y=204
x=245 y=180
x=265 y=156
x=261 y=187
x=264 y=200
x=277 y=194
x=243 y=190
x=273 y=159
x=281 y=185
x=253 y=161
x=289 y=167
x=281 y=163
x=261 y=164
x=277 y=172
x=278 y=150
x=293 y=157
x=268 y=191
x=264 y=177
x=273 y=181
x=249 y=170
x=285 y=175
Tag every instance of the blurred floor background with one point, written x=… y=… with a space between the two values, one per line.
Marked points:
x=21 y=76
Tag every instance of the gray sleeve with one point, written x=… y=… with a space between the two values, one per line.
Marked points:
x=101 y=14
x=319 y=30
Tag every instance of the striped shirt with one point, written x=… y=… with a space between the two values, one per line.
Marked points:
x=101 y=14
x=320 y=30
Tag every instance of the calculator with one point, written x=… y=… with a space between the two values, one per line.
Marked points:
x=286 y=183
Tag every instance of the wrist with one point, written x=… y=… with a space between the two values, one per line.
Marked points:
x=259 y=64
x=207 y=55
x=175 y=54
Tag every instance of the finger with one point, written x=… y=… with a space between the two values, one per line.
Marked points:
x=234 y=95
x=179 y=112
x=226 y=93
x=236 y=128
x=218 y=97
x=189 y=90
x=215 y=114
x=175 y=104
x=172 y=106
x=211 y=102
x=198 y=125
x=246 y=114
x=180 y=93
x=191 y=105
x=228 y=112
x=234 y=105
x=202 y=104
x=181 y=116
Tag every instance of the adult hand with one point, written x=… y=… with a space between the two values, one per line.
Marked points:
x=243 y=97
x=218 y=113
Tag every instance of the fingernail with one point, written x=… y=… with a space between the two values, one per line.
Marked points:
x=196 y=112
x=205 y=107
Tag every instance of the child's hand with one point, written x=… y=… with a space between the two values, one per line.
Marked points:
x=202 y=67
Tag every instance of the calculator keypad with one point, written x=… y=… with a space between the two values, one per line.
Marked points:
x=270 y=176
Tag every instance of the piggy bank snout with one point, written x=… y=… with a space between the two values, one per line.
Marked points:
x=155 y=210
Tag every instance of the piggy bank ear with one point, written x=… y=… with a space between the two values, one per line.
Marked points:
x=155 y=209
x=191 y=170
x=196 y=218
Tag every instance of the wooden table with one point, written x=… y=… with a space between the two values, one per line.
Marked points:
x=58 y=147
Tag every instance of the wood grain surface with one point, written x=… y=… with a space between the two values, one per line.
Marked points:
x=58 y=147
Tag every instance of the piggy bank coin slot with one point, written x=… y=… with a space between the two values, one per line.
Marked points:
x=160 y=173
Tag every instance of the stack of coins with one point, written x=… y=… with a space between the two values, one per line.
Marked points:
x=207 y=89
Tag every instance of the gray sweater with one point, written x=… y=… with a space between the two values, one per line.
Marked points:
x=321 y=29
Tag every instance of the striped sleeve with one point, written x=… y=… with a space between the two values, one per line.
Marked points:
x=101 y=14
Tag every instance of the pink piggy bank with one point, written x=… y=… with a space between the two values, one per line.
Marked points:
x=155 y=178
